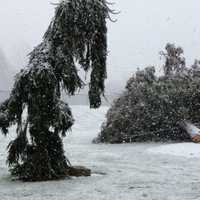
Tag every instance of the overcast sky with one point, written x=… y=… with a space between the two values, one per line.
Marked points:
x=142 y=29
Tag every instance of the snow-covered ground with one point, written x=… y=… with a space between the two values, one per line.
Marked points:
x=187 y=150
x=127 y=171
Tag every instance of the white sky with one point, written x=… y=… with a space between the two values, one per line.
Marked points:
x=142 y=30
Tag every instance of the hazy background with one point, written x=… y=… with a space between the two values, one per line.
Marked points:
x=142 y=29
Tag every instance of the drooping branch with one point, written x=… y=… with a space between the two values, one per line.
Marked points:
x=76 y=37
x=78 y=34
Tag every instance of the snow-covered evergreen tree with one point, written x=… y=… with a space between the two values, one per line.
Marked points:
x=151 y=107
x=77 y=36
x=174 y=61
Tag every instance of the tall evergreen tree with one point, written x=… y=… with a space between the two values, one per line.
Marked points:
x=77 y=36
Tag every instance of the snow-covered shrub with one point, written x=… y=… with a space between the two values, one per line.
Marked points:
x=151 y=107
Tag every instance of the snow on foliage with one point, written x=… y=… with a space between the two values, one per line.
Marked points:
x=76 y=35
x=151 y=107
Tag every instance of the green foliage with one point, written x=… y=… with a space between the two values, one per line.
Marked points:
x=77 y=36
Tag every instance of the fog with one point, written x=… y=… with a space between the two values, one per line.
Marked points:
x=142 y=29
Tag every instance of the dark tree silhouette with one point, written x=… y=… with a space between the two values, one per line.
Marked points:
x=77 y=35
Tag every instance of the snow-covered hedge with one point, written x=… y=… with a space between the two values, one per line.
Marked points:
x=151 y=107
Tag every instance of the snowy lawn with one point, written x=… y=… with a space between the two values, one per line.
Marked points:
x=126 y=171
x=187 y=150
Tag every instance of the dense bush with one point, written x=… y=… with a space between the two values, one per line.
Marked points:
x=151 y=107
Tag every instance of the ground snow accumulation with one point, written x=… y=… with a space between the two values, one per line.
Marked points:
x=146 y=171
x=187 y=150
